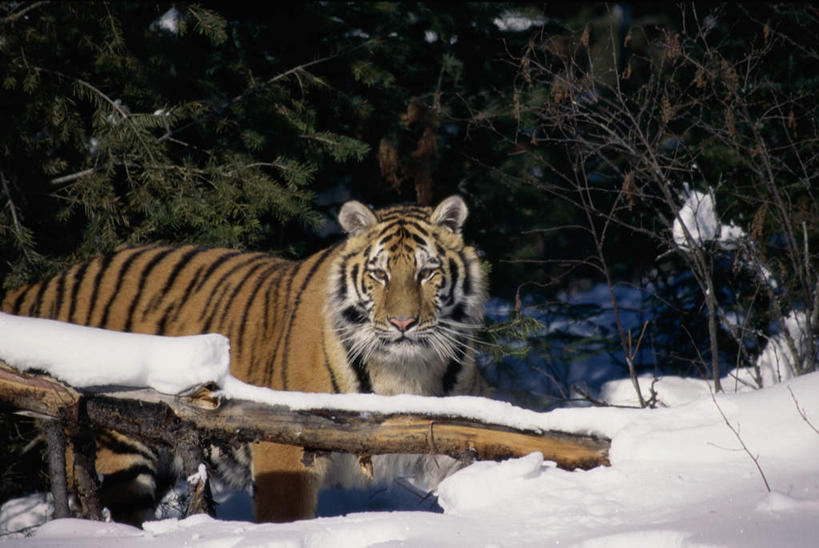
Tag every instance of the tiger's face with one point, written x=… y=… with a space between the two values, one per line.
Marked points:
x=405 y=288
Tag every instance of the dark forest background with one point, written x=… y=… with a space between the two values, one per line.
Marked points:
x=575 y=132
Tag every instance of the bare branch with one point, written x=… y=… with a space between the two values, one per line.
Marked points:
x=754 y=458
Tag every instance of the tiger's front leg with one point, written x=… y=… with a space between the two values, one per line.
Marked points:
x=284 y=488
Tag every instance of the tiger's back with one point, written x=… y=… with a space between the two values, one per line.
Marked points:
x=263 y=304
x=392 y=309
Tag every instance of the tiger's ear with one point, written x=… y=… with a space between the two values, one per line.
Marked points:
x=451 y=213
x=355 y=217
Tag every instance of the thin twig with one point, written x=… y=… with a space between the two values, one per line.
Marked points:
x=73 y=176
x=802 y=411
x=753 y=457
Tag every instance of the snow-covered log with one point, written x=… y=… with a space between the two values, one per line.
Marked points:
x=161 y=418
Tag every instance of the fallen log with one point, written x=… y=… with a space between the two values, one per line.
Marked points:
x=158 y=418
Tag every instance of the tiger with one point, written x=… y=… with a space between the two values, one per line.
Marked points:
x=391 y=309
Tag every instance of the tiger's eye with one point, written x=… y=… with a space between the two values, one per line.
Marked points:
x=379 y=275
x=426 y=273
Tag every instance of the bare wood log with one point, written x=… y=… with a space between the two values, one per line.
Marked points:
x=36 y=393
x=159 y=418
x=55 y=434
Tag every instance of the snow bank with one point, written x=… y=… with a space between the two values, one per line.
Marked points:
x=679 y=475
x=88 y=356
x=679 y=478
x=25 y=512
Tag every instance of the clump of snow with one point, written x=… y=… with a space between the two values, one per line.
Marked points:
x=200 y=476
x=776 y=362
x=88 y=356
x=517 y=22
x=168 y=22
x=25 y=512
x=698 y=216
x=486 y=484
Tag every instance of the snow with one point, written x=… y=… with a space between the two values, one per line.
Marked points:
x=88 y=356
x=168 y=22
x=678 y=476
x=697 y=215
x=511 y=21
x=25 y=512
x=776 y=363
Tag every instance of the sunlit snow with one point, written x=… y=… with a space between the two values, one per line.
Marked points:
x=679 y=477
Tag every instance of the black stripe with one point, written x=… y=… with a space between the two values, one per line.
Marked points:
x=60 y=294
x=217 y=304
x=388 y=228
x=143 y=278
x=417 y=227
x=296 y=303
x=354 y=276
x=79 y=277
x=18 y=302
x=38 y=300
x=261 y=281
x=120 y=279
x=414 y=212
x=212 y=268
x=365 y=385
x=95 y=289
x=124 y=446
x=458 y=313
x=268 y=377
x=329 y=369
x=265 y=327
x=467 y=285
x=127 y=474
x=454 y=274
x=404 y=223
x=452 y=369
x=226 y=310
x=354 y=315
x=341 y=281
x=194 y=281
x=418 y=239
x=383 y=241
x=121 y=510
x=181 y=263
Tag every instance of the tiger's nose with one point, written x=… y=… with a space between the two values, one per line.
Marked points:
x=403 y=323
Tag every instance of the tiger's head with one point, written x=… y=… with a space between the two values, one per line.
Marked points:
x=405 y=289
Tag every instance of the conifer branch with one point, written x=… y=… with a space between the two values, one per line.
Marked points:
x=259 y=87
x=15 y=16
x=18 y=228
